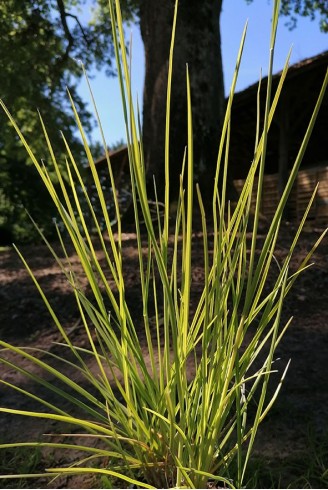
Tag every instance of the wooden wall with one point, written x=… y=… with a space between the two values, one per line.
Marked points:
x=300 y=195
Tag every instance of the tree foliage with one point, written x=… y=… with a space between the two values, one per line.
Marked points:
x=41 y=41
x=305 y=8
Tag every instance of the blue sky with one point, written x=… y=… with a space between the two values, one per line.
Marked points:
x=306 y=39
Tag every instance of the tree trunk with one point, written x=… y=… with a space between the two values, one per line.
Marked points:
x=197 y=43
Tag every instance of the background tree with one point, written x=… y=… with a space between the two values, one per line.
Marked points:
x=198 y=44
x=40 y=42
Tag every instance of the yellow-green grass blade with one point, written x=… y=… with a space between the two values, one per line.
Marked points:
x=99 y=471
x=54 y=372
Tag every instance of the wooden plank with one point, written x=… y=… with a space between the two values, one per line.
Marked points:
x=300 y=195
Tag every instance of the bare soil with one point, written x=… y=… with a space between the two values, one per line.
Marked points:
x=302 y=406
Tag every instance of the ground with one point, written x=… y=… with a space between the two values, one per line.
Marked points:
x=298 y=419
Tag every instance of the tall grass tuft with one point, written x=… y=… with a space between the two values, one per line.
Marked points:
x=171 y=407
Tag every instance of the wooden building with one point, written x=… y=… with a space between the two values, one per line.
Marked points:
x=298 y=98
x=293 y=113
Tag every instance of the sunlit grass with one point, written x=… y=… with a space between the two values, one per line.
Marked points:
x=156 y=425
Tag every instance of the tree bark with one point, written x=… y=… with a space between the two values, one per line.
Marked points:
x=197 y=43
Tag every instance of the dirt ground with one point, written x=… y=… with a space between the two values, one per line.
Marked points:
x=302 y=406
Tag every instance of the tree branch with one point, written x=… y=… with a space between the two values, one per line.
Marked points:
x=84 y=34
x=68 y=35
x=63 y=17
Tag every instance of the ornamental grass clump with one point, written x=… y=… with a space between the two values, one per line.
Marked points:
x=155 y=424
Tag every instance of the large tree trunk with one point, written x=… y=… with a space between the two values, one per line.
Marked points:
x=197 y=43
